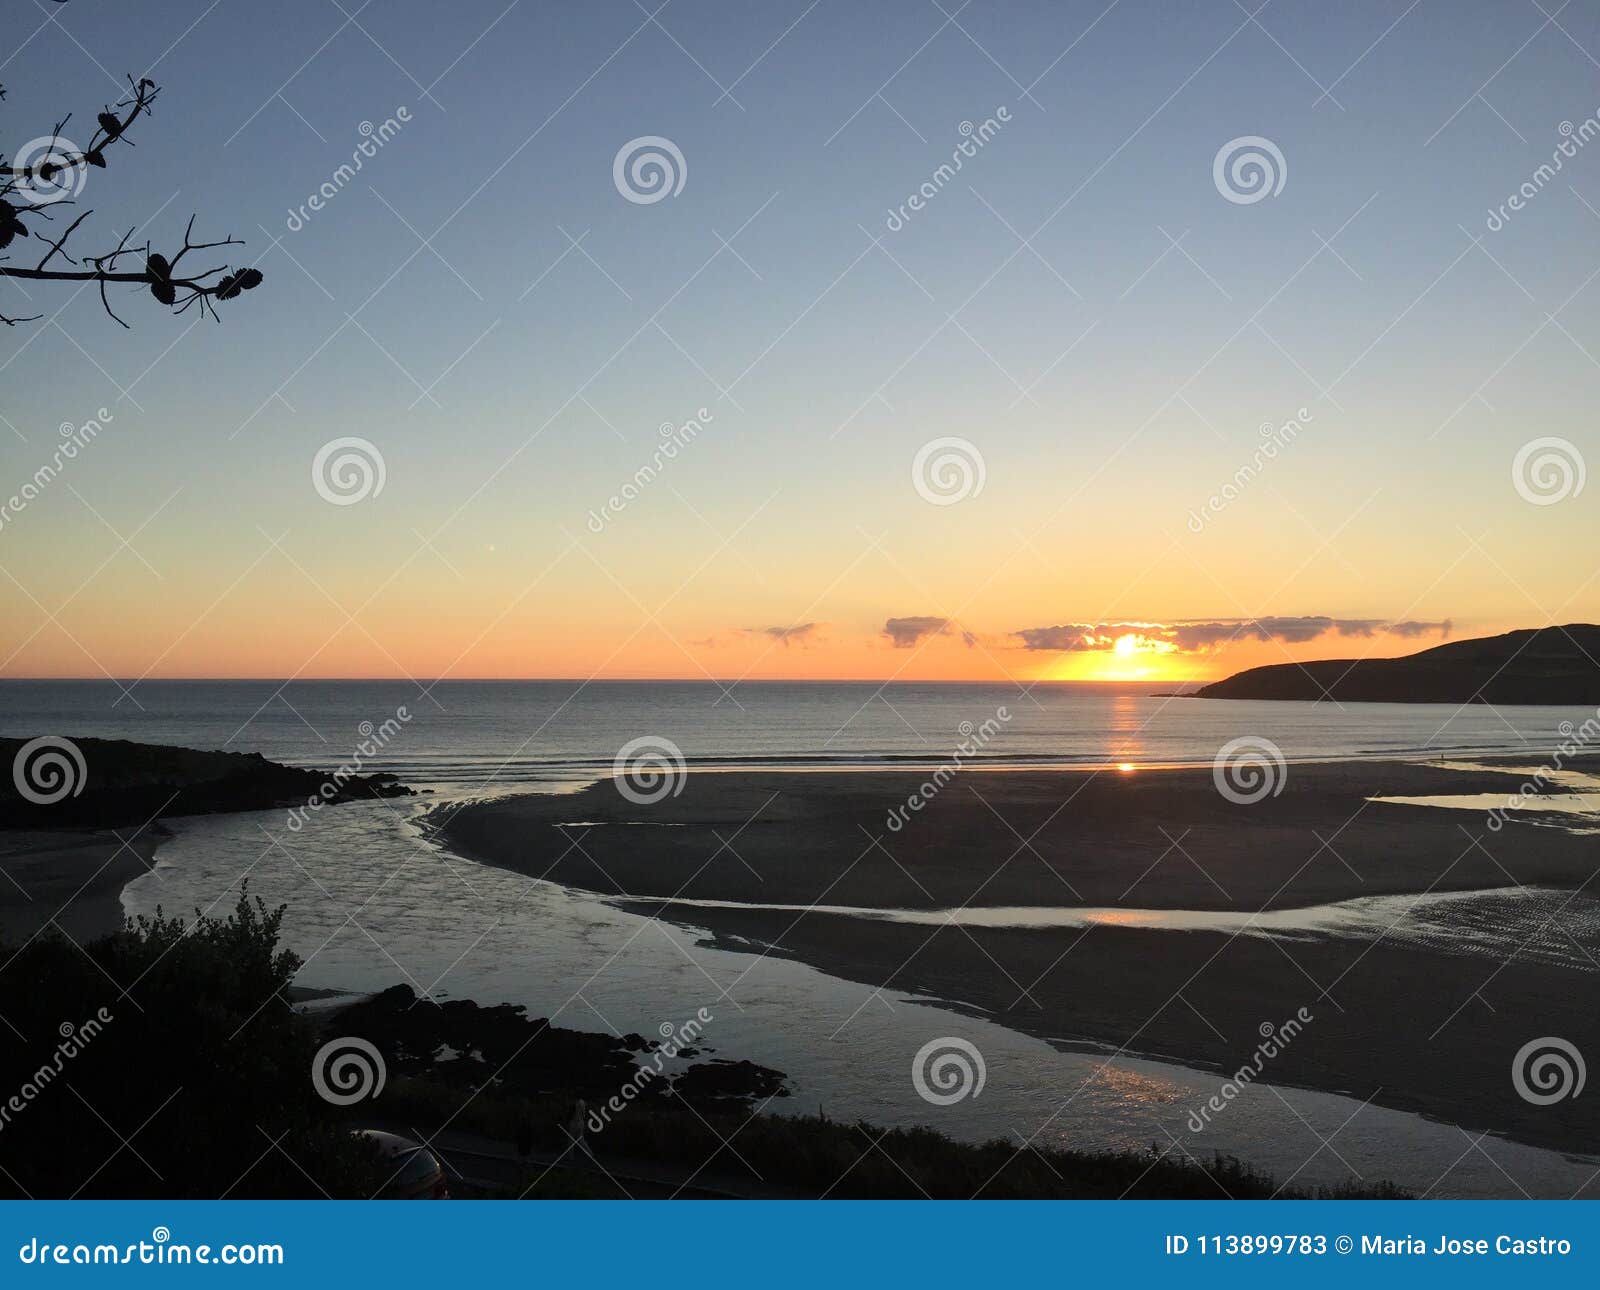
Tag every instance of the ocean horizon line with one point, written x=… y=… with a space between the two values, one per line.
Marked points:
x=726 y=682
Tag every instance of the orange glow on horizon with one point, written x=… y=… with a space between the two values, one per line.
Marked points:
x=405 y=633
x=1135 y=657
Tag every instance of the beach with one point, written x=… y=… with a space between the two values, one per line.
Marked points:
x=1429 y=1027
x=1164 y=839
x=72 y=877
x=66 y=855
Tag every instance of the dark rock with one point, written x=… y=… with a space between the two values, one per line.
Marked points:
x=128 y=783
x=723 y=1081
x=470 y=1045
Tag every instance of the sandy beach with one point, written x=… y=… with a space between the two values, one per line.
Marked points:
x=75 y=878
x=1424 y=1028
x=1163 y=839
x=63 y=856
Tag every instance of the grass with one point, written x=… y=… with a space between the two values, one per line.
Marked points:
x=814 y=1155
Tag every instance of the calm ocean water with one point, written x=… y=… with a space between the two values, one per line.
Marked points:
x=487 y=734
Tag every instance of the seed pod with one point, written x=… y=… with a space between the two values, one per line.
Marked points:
x=157 y=264
x=250 y=279
x=10 y=226
x=229 y=287
x=110 y=124
x=95 y=158
x=165 y=292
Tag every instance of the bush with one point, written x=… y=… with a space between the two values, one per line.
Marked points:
x=165 y=1060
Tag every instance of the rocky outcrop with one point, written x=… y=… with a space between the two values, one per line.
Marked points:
x=103 y=783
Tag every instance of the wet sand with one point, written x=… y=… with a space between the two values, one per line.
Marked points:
x=1409 y=1027
x=74 y=878
x=1412 y=1030
x=1160 y=839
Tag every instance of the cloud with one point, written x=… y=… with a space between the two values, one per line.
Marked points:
x=796 y=633
x=1291 y=630
x=1076 y=637
x=907 y=632
x=1210 y=634
x=799 y=633
x=1410 y=630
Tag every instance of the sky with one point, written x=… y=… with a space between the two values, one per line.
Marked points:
x=1091 y=405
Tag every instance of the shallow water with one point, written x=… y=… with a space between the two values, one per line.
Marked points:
x=1545 y=924
x=373 y=901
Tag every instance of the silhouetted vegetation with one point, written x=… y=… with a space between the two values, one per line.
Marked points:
x=166 y=1061
x=816 y=1156
x=41 y=185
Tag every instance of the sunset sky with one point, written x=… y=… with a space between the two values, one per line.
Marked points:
x=1080 y=306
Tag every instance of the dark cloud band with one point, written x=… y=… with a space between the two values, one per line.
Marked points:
x=1195 y=637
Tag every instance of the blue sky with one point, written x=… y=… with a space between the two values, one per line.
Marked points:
x=1038 y=307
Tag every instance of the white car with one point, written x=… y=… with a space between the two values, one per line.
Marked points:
x=418 y=1175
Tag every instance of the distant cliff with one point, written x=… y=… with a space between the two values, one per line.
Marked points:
x=1548 y=665
x=103 y=783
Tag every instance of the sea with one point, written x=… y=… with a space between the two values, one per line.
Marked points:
x=374 y=900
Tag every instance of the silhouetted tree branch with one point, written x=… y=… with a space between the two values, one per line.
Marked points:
x=31 y=190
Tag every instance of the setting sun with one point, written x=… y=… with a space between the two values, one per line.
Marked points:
x=1127 y=656
x=1088 y=520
